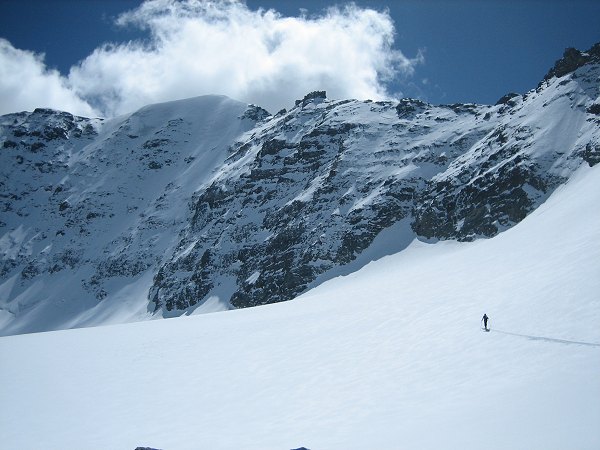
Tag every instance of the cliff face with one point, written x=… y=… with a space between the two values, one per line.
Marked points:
x=90 y=207
x=208 y=203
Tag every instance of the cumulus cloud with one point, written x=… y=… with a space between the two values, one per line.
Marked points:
x=26 y=84
x=199 y=47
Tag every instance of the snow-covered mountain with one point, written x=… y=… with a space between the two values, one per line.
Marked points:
x=389 y=357
x=207 y=204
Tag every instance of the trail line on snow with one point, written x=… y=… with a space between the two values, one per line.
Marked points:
x=548 y=339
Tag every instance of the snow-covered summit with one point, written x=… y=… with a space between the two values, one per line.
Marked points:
x=206 y=204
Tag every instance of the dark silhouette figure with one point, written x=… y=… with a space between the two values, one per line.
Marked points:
x=485 y=319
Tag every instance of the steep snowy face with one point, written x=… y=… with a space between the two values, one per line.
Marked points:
x=537 y=141
x=89 y=207
x=207 y=203
x=309 y=190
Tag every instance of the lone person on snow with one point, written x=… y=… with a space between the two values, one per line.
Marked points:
x=485 y=319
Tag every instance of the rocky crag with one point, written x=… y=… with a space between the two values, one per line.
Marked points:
x=208 y=204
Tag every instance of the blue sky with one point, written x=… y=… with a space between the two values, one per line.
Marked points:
x=479 y=50
x=442 y=51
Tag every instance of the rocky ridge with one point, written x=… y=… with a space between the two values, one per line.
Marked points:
x=210 y=202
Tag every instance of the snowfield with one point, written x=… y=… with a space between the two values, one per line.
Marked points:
x=388 y=357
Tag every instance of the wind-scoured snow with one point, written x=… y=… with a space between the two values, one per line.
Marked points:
x=389 y=357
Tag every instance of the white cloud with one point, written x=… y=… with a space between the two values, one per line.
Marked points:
x=26 y=84
x=201 y=47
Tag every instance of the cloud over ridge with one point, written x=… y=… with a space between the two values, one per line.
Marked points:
x=26 y=84
x=199 y=47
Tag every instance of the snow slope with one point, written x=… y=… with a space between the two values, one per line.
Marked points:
x=389 y=357
x=88 y=216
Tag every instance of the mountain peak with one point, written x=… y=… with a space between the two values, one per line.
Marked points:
x=572 y=60
x=314 y=96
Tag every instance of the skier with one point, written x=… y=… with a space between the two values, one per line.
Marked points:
x=485 y=319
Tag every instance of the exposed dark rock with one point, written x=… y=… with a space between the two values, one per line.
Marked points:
x=19 y=132
x=572 y=60
x=311 y=96
x=155 y=143
x=409 y=107
x=51 y=133
x=121 y=266
x=30 y=270
x=89 y=130
x=594 y=109
x=508 y=99
x=461 y=108
x=37 y=146
x=68 y=258
x=255 y=113
x=452 y=209
x=591 y=154
x=272 y=147
x=45 y=111
x=92 y=215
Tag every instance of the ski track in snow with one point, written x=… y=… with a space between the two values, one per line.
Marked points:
x=547 y=339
